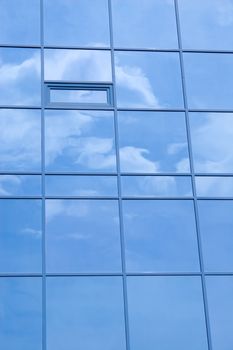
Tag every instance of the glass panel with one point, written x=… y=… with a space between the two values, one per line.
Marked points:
x=146 y=186
x=216 y=226
x=20 y=22
x=92 y=186
x=166 y=313
x=219 y=292
x=20 y=140
x=80 y=23
x=79 y=141
x=20 y=77
x=148 y=79
x=78 y=96
x=21 y=315
x=20 y=235
x=160 y=235
x=82 y=235
x=212 y=142
x=209 y=80
x=77 y=65
x=162 y=148
x=207 y=25
x=20 y=185
x=85 y=313
x=132 y=30
x=213 y=186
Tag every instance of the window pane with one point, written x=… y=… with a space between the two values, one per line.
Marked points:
x=80 y=23
x=77 y=65
x=20 y=140
x=162 y=148
x=92 y=186
x=21 y=315
x=80 y=141
x=216 y=225
x=20 y=77
x=85 y=313
x=20 y=185
x=82 y=235
x=132 y=30
x=160 y=235
x=209 y=80
x=219 y=292
x=20 y=22
x=213 y=186
x=148 y=79
x=20 y=235
x=146 y=186
x=207 y=24
x=212 y=142
x=78 y=96
x=166 y=313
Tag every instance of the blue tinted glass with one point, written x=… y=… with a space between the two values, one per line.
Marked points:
x=21 y=314
x=212 y=142
x=82 y=235
x=20 y=77
x=162 y=148
x=85 y=313
x=220 y=300
x=20 y=22
x=160 y=235
x=132 y=30
x=78 y=96
x=20 y=141
x=209 y=80
x=20 y=235
x=92 y=186
x=167 y=186
x=72 y=22
x=216 y=225
x=166 y=313
x=77 y=65
x=148 y=79
x=213 y=186
x=207 y=24
x=79 y=141
x=20 y=185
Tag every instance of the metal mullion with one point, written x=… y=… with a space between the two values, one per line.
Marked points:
x=201 y=260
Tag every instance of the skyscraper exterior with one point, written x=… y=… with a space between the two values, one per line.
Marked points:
x=116 y=174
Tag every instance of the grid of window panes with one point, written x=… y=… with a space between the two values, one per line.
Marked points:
x=116 y=221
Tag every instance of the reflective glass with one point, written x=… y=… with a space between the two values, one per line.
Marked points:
x=20 y=235
x=78 y=96
x=85 y=313
x=20 y=77
x=92 y=186
x=213 y=186
x=148 y=79
x=20 y=22
x=220 y=300
x=77 y=65
x=216 y=226
x=20 y=140
x=162 y=148
x=20 y=185
x=132 y=30
x=79 y=141
x=20 y=313
x=76 y=23
x=166 y=313
x=82 y=235
x=206 y=25
x=146 y=186
x=212 y=142
x=209 y=80
x=160 y=235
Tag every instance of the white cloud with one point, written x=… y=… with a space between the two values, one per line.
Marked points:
x=133 y=159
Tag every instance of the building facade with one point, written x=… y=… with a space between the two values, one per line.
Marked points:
x=116 y=165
